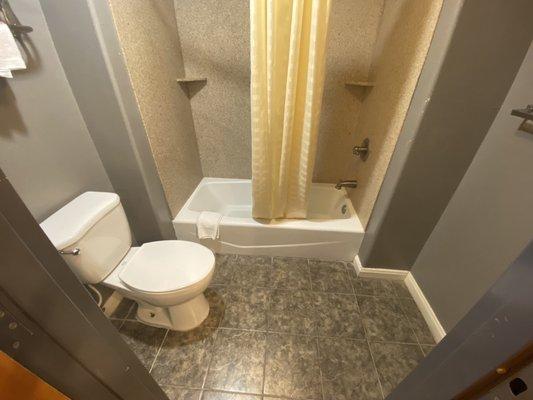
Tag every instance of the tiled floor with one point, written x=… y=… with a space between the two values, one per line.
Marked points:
x=286 y=328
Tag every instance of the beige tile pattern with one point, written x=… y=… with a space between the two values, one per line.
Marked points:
x=207 y=127
x=404 y=37
x=215 y=41
x=148 y=35
x=214 y=37
x=352 y=33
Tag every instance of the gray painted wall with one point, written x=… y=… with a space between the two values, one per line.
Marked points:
x=476 y=50
x=93 y=62
x=45 y=148
x=489 y=219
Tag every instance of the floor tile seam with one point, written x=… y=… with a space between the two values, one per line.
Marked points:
x=349 y=278
x=411 y=327
x=380 y=296
x=372 y=356
x=412 y=323
x=393 y=342
x=126 y=315
x=121 y=325
x=158 y=351
x=309 y=274
x=320 y=369
x=291 y=290
x=264 y=363
x=243 y=393
x=210 y=356
x=294 y=334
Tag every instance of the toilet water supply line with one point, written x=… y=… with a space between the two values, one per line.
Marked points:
x=98 y=295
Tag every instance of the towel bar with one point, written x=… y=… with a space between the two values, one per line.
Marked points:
x=12 y=21
x=527 y=115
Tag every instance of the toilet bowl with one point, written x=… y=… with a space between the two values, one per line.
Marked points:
x=166 y=278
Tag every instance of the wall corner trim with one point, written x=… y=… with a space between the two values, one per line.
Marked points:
x=422 y=303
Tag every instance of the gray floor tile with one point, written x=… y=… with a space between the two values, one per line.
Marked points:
x=347 y=370
x=384 y=319
x=237 y=362
x=223 y=269
x=426 y=348
x=290 y=273
x=394 y=362
x=213 y=395
x=337 y=315
x=177 y=393
x=217 y=306
x=301 y=304
x=373 y=286
x=184 y=358
x=401 y=289
x=117 y=323
x=144 y=340
x=291 y=312
x=291 y=368
x=245 y=308
x=251 y=271
x=417 y=321
x=329 y=276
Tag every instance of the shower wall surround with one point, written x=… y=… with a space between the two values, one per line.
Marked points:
x=203 y=128
x=214 y=36
x=405 y=34
x=150 y=43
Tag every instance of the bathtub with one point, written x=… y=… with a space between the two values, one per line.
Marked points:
x=332 y=230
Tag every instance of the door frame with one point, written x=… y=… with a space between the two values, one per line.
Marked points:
x=467 y=361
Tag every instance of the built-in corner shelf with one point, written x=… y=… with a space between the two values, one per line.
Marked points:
x=191 y=80
x=363 y=84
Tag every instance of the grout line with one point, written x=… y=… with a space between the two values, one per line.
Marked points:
x=264 y=365
x=124 y=319
x=158 y=351
x=269 y=396
x=211 y=356
x=411 y=327
x=354 y=293
x=370 y=351
x=320 y=369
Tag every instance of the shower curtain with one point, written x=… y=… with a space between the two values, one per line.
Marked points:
x=288 y=41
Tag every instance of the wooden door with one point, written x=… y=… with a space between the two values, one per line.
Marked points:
x=17 y=382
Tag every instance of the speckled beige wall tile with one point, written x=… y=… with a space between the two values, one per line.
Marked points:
x=214 y=37
x=150 y=43
x=404 y=37
x=215 y=40
x=352 y=33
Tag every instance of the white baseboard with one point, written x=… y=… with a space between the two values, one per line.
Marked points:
x=429 y=315
x=112 y=302
x=363 y=272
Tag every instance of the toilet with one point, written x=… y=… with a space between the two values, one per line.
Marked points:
x=166 y=278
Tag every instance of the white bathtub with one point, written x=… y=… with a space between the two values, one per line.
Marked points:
x=331 y=232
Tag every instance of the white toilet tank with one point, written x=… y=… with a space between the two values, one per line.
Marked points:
x=94 y=223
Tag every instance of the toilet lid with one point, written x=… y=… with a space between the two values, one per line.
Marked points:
x=167 y=265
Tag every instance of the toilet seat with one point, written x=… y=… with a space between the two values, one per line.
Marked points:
x=167 y=266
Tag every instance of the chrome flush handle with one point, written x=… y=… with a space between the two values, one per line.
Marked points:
x=73 y=252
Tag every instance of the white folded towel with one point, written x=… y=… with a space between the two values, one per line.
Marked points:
x=207 y=225
x=10 y=57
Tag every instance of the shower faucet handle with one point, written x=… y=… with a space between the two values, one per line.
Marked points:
x=362 y=150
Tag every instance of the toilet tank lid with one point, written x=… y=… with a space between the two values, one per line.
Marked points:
x=72 y=221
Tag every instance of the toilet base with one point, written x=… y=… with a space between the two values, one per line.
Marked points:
x=181 y=317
